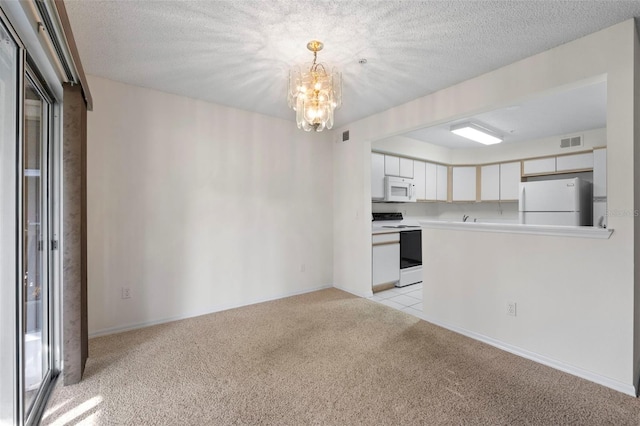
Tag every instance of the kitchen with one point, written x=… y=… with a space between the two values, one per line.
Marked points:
x=548 y=138
x=488 y=200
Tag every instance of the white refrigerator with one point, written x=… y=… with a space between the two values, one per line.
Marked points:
x=564 y=202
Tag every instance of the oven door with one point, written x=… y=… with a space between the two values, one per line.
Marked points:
x=410 y=249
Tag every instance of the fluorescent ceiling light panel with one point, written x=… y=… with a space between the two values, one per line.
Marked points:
x=476 y=133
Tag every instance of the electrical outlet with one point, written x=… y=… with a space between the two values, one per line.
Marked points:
x=303 y=267
x=126 y=293
x=511 y=308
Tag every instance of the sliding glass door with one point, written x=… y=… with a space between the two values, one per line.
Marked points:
x=10 y=60
x=26 y=357
x=35 y=220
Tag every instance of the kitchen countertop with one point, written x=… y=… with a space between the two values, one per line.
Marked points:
x=564 y=231
x=378 y=227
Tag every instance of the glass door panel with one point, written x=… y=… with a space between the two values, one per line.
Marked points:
x=9 y=65
x=36 y=284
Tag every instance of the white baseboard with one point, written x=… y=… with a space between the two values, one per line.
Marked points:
x=135 y=326
x=365 y=295
x=550 y=362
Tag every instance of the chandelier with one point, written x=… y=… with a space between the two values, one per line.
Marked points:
x=314 y=94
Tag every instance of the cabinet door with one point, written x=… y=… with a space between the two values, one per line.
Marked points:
x=431 y=181
x=385 y=260
x=509 y=181
x=391 y=165
x=419 y=180
x=406 y=168
x=490 y=183
x=377 y=176
x=574 y=162
x=442 y=184
x=539 y=166
x=599 y=172
x=464 y=183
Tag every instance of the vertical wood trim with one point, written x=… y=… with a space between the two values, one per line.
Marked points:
x=449 y=183
x=74 y=235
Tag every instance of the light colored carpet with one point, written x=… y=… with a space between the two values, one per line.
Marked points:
x=322 y=358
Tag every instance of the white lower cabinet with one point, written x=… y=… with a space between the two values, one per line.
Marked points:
x=385 y=258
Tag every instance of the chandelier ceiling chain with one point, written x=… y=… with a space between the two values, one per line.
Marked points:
x=314 y=94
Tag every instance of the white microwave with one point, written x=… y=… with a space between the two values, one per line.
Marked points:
x=399 y=190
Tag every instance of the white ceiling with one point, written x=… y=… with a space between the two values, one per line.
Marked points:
x=561 y=113
x=238 y=53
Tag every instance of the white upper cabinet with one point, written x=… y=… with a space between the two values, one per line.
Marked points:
x=490 y=182
x=562 y=163
x=377 y=176
x=419 y=179
x=406 y=168
x=464 y=183
x=391 y=165
x=509 y=181
x=442 y=184
x=498 y=182
x=431 y=181
x=397 y=166
x=582 y=161
x=600 y=172
x=539 y=166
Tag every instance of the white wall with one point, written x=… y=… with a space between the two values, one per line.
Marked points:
x=352 y=217
x=197 y=207
x=610 y=52
x=566 y=289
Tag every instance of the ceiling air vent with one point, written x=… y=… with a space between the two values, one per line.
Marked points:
x=571 y=142
x=345 y=136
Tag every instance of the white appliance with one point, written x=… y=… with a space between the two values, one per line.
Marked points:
x=399 y=190
x=399 y=263
x=564 y=202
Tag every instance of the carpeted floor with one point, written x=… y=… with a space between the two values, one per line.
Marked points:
x=322 y=358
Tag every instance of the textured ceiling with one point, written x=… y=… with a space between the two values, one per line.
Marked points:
x=238 y=53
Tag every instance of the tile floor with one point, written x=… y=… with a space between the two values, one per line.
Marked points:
x=407 y=299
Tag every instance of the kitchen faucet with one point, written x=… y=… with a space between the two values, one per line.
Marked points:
x=465 y=217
